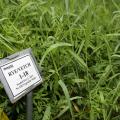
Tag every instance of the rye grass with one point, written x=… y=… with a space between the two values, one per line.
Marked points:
x=77 y=46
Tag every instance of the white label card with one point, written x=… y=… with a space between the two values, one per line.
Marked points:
x=20 y=74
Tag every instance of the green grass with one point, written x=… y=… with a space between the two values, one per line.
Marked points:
x=77 y=46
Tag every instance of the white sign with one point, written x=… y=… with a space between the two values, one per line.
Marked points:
x=20 y=74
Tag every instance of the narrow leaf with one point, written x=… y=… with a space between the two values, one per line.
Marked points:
x=54 y=46
x=65 y=90
x=47 y=113
x=80 y=60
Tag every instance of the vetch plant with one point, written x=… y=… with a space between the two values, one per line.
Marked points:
x=76 y=44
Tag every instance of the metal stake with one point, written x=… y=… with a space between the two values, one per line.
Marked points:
x=29 y=106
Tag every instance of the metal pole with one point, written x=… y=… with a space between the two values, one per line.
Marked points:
x=14 y=113
x=29 y=106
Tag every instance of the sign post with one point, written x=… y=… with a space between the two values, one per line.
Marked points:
x=19 y=74
x=29 y=105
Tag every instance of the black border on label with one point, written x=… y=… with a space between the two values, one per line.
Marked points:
x=27 y=87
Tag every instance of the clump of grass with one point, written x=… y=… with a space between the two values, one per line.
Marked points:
x=76 y=44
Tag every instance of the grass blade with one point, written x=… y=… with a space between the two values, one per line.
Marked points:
x=65 y=90
x=67 y=6
x=62 y=112
x=47 y=113
x=3 y=41
x=54 y=46
x=80 y=60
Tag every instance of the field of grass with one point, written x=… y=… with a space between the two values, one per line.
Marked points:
x=77 y=46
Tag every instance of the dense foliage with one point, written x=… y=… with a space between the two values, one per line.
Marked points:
x=76 y=44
